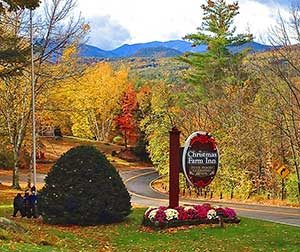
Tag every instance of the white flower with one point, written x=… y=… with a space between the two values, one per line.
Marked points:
x=188 y=208
x=152 y=214
x=171 y=214
x=211 y=214
x=149 y=209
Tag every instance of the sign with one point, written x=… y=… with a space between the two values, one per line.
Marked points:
x=283 y=171
x=200 y=159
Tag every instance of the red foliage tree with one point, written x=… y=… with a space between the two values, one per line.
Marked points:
x=126 y=120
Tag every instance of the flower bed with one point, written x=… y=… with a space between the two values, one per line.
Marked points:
x=162 y=217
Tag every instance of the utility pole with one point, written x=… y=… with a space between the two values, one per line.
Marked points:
x=33 y=103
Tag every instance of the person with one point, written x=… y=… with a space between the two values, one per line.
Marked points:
x=33 y=203
x=27 y=204
x=18 y=205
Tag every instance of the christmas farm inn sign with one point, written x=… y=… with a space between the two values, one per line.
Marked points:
x=200 y=159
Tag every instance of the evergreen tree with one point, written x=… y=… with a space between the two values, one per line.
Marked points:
x=83 y=188
x=14 y=49
x=210 y=69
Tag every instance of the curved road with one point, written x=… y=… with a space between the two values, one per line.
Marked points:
x=138 y=184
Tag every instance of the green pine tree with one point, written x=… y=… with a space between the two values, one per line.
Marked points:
x=14 y=49
x=217 y=31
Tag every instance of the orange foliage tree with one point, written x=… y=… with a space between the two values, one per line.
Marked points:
x=126 y=120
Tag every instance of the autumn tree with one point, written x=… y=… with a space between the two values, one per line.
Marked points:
x=53 y=33
x=91 y=101
x=160 y=115
x=278 y=71
x=8 y=5
x=126 y=120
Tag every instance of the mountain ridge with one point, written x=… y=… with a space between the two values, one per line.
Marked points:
x=159 y=49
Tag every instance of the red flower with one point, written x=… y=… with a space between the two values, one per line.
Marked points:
x=182 y=215
x=160 y=215
x=202 y=211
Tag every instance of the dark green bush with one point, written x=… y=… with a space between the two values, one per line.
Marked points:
x=83 y=188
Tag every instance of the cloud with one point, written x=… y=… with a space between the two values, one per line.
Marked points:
x=116 y=22
x=106 y=33
x=259 y=17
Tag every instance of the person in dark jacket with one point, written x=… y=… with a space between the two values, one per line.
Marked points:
x=33 y=203
x=19 y=205
x=27 y=204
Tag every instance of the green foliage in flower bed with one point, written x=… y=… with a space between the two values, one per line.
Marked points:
x=178 y=223
x=83 y=188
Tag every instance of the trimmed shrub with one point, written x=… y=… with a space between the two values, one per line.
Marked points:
x=83 y=188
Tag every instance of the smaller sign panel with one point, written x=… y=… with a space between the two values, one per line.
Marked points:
x=283 y=171
x=200 y=159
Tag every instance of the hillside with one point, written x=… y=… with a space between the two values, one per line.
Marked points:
x=157 y=52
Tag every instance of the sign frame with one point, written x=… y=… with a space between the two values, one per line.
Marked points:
x=185 y=150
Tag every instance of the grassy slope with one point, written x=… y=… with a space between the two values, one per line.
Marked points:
x=250 y=235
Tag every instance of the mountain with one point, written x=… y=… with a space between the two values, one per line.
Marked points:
x=253 y=47
x=88 y=51
x=179 y=45
x=157 y=52
x=160 y=49
x=184 y=46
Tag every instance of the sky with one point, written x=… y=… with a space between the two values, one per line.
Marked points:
x=117 y=22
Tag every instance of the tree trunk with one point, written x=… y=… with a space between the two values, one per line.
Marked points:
x=15 y=179
x=125 y=139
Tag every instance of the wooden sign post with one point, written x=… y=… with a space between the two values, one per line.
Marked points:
x=174 y=163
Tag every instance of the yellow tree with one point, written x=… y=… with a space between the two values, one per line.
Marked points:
x=56 y=30
x=92 y=100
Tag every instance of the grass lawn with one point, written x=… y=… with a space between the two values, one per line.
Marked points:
x=250 y=235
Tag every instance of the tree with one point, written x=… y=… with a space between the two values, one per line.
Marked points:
x=210 y=69
x=278 y=71
x=14 y=53
x=217 y=99
x=126 y=120
x=158 y=120
x=83 y=188
x=92 y=101
x=8 y=5
x=57 y=30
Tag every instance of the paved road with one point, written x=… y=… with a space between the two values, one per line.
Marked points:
x=137 y=182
